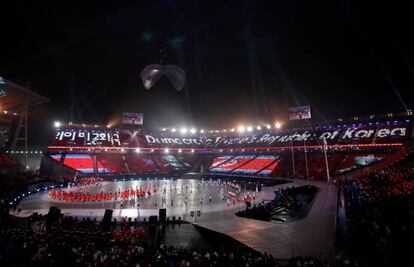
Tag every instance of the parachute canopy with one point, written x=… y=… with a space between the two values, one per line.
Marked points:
x=152 y=73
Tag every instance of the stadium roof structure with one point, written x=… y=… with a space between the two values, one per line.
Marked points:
x=13 y=97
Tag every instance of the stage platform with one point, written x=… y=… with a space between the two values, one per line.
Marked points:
x=313 y=235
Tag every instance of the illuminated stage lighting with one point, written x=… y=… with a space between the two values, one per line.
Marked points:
x=163 y=129
x=201 y=131
x=258 y=127
x=137 y=150
x=173 y=130
x=192 y=150
x=250 y=128
x=278 y=125
x=241 y=129
x=268 y=126
x=183 y=130
x=232 y=130
x=180 y=150
x=166 y=150
x=57 y=124
x=193 y=131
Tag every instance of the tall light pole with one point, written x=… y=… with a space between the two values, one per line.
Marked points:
x=293 y=158
x=306 y=159
x=325 y=148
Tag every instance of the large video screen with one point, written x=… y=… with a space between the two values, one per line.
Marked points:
x=300 y=113
x=132 y=118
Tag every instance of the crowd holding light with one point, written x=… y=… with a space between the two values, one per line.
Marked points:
x=240 y=129
x=184 y=130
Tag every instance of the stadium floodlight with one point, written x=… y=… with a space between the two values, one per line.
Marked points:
x=57 y=124
x=258 y=127
x=193 y=131
x=201 y=131
x=241 y=129
x=137 y=150
x=183 y=130
x=278 y=125
x=250 y=128
x=268 y=126
x=173 y=130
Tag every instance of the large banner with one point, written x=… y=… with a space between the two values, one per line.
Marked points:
x=300 y=113
x=132 y=118
x=334 y=136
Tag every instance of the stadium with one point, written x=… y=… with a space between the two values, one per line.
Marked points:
x=296 y=191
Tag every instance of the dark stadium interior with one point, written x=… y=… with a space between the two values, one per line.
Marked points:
x=206 y=133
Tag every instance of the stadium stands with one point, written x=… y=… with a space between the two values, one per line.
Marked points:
x=80 y=162
x=6 y=161
x=141 y=164
x=111 y=163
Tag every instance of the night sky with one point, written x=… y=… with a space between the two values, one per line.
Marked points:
x=246 y=61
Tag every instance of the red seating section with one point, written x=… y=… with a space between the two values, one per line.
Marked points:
x=141 y=164
x=108 y=163
x=6 y=161
x=80 y=162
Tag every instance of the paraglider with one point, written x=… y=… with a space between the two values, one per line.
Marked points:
x=152 y=73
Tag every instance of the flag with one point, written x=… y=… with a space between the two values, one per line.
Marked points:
x=231 y=194
x=325 y=144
